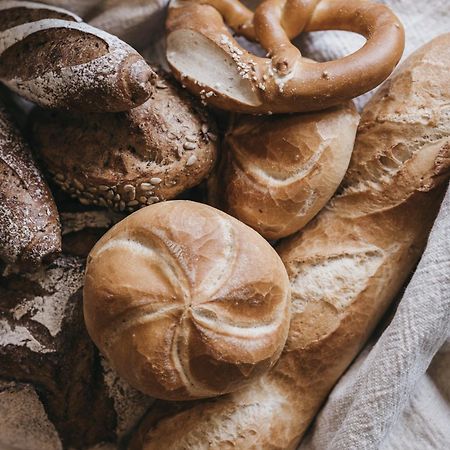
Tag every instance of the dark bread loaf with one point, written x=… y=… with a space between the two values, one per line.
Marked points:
x=49 y=56
x=24 y=424
x=29 y=225
x=43 y=342
x=345 y=267
x=129 y=160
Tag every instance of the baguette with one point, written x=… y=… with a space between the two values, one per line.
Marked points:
x=345 y=267
x=29 y=224
x=49 y=56
x=277 y=172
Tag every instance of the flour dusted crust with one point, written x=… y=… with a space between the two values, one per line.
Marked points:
x=129 y=404
x=43 y=342
x=29 y=225
x=61 y=62
x=24 y=424
x=126 y=161
x=345 y=267
x=201 y=307
x=277 y=172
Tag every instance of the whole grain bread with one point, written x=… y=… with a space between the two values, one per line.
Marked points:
x=126 y=161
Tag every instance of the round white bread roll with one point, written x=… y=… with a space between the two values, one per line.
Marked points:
x=277 y=172
x=186 y=302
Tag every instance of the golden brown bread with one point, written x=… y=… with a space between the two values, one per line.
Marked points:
x=49 y=56
x=29 y=224
x=345 y=267
x=207 y=59
x=129 y=160
x=186 y=302
x=277 y=172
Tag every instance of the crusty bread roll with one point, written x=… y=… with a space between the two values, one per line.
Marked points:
x=50 y=57
x=125 y=161
x=186 y=302
x=277 y=172
x=345 y=267
x=29 y=224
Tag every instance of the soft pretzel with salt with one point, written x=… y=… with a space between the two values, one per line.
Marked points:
x=207 y=59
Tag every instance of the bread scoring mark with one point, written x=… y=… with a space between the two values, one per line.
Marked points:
x=173 y=273
x=131 y=318
x=54 y=86
x=223 y=263
x=208 y=319
x=253 y=171
x=179 y=345
x=337 y=279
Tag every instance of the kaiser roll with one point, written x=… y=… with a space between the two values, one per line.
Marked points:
x=186 y=302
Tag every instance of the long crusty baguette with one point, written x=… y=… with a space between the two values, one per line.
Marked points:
x=345 y=267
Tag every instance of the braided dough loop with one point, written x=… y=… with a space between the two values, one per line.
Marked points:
x=209 y=61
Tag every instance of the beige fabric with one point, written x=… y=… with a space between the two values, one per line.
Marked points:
x=388 y=399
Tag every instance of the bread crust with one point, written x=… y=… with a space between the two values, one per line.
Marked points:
x=125 y=161
x=345 y=267
x=30 y=232
x=50 y=57
x=277 y=172
x=201 y=307
x=236 y=80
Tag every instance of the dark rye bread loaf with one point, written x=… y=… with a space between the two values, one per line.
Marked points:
x=29 y=223
x=126 y=161
x=49 y=56
x=43 y=343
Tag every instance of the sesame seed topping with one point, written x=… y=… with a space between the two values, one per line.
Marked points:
x=189 y=146
x=191 y=160
x=146 y=187
x=78 y=185
x=155 y=180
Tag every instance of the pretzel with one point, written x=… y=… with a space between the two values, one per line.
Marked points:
x=207 y=59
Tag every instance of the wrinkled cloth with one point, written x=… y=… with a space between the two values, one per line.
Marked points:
x=396 y=395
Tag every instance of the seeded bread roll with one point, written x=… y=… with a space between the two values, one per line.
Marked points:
x=200 y=308
x=345 y=267
x=277 y=172
x=29 y=224
x=49 y=56
x=129 y=160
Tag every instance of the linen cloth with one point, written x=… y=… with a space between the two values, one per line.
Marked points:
x=392 y=398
